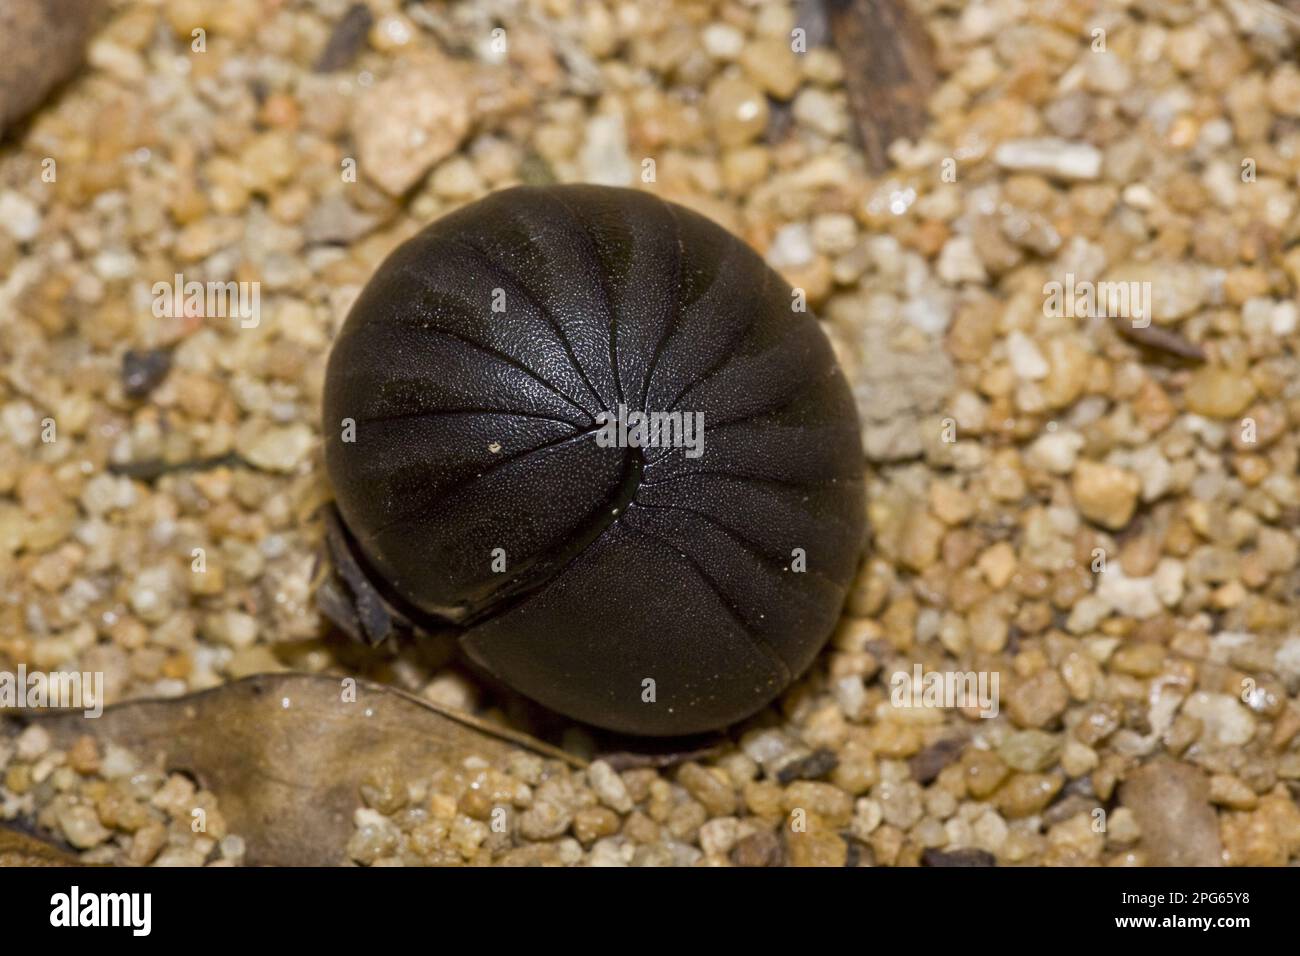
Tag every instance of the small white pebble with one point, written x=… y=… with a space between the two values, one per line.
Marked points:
x=723 y=41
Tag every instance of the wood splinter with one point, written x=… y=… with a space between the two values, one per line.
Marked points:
x=889 y=71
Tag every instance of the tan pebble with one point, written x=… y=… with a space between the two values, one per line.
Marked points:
x=636 y=782
x=867 y=815
x=592 y=823
x=1267 y=836
x=814 y=278
x=52 y=572
x=719 y=836
x=887 y=844
x=206 y=583
x=684 y=821
x=1080 y=673
x=1096 y=723
x=738 y=109
x=406 y=123
x=83 y=755
x=279 y=448
x=81 y=827
x=1030 y=750
x=893 y=738
x=1105 y=493
x=1038 y=700
x=983 y=771
x=816 y=848
x=1139 y=659
x=758 y=849
x=610 y=788
x=1170 y=802
x=1153 y=407
x=1286 y=728
x=857 y=771
x=825 y=800
x=722 y=41
x=1078 y=759
x=457 y=179
x=1076 y=838
x=640 y=828
x=18 y=779
x=1225 y=721
x=452 y=690
x=1229 y=791
x=384 y=789
x=763 y=798
x=146 y=843
x=922 y=534
x=392 y=32
x=257 y=659
x=1218 y=392
x=280 y=110
x=950 y=504
x=744 y=168
x=710 y=786
x=773 y=66
x=997 y=564
x=1027 y=793
x=120 y=810
x=544 y=820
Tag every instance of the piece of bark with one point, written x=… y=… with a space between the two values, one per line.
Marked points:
x=889 y=71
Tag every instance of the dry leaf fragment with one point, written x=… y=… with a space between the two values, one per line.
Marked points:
x=285 y=754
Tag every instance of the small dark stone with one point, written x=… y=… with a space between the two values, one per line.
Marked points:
x=963 y=857
x=346 y=41
x=1068 y=806
x=879 y=648
x=780 y=121
x=758 y=849
x=812 y=767
x=858 y=854
x=143 y=370
x=929 y=762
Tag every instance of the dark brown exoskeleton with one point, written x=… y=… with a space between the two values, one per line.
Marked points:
x=591 y=430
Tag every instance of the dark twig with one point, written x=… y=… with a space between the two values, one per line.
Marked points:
x=888 y=69
x=1162 y=340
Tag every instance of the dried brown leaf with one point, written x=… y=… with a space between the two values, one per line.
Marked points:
x=285 y=754
x=21 y=849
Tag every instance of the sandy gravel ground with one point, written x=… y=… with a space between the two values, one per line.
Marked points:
x=1104 y=517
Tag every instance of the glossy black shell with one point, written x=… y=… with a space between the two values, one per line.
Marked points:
x=475 y=430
